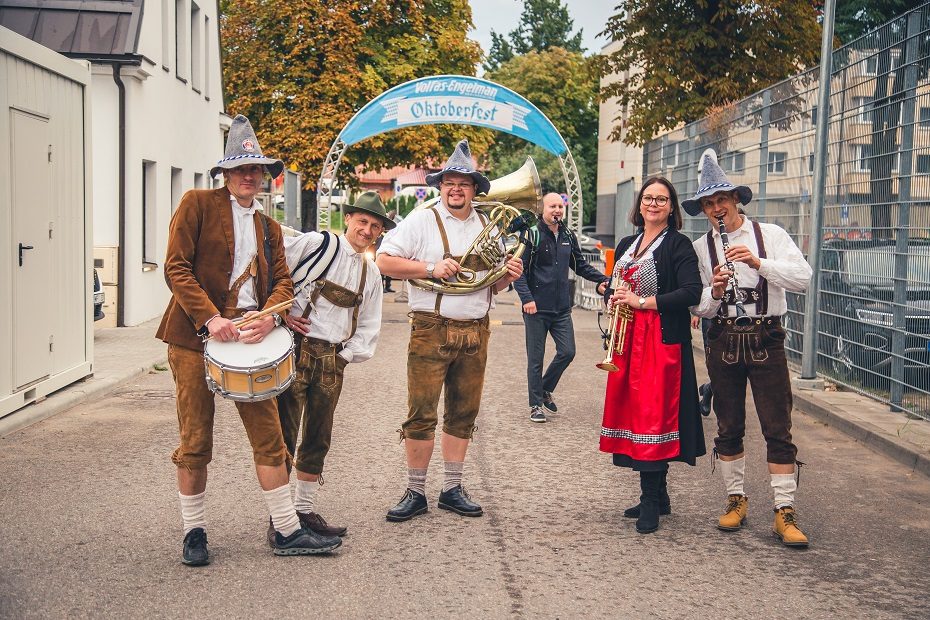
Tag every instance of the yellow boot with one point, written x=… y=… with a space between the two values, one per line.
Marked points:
x=786 y=528
x=734 y=516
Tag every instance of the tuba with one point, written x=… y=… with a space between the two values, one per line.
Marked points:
x=512 y=205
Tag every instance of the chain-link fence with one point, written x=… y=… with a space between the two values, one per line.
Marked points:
x=874 y=304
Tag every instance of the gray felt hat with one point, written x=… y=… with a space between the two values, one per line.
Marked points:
x=713 y=180
x=461 y=162
x=370 y=202
x=242 y=149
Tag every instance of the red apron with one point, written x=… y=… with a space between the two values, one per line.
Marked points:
x=641 y=404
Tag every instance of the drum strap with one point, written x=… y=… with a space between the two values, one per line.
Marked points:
x=250 y=271
x=471 y=264
x=341 y=296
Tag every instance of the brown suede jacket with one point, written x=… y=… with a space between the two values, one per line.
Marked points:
x=199 y=260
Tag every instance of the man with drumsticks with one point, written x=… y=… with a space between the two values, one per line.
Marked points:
x=225 y=260
x=449 y=333
x=745 y=263
x=336 y=319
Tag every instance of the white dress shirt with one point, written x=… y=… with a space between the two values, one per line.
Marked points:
x=784 y=268
x=418 y=238
x=330 y=322
x=245 y=248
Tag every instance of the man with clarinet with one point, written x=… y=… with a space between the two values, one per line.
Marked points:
x=746 y=268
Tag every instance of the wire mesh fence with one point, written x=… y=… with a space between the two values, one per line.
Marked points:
x=874 y=303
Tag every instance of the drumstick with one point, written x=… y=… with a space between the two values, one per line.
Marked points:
x=265 y=312
x=262 y=314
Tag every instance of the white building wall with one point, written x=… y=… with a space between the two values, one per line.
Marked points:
x=616 y=160
x=170 y=125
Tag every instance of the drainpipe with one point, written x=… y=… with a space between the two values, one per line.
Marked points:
x=121 y=257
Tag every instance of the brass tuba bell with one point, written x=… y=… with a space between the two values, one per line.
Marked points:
x=513 y=202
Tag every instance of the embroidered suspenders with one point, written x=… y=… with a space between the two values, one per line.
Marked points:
x=758 y=295
x=447 y=254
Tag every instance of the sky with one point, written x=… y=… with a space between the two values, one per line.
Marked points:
x=502 y=16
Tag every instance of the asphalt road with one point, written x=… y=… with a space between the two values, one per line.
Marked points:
x=91 y=526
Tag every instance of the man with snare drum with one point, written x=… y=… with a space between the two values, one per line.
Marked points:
x=336 y=320
x=225 y=261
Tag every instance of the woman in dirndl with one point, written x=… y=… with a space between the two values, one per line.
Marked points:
x=651 y=413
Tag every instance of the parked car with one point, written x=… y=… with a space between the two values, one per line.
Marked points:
x=857 y=311
x=99 y=298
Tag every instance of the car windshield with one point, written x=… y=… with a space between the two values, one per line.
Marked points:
x=875 y=266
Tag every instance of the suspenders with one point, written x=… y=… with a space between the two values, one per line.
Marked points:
x=447 y=254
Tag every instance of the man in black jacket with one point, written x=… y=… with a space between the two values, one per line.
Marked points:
x=544 y=290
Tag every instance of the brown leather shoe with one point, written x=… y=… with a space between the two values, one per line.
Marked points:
x=786 y=528
x=734 y=517
x=317 y=524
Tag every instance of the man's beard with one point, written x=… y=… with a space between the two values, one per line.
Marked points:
x=461 y=206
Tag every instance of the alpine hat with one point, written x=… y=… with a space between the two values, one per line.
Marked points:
x=242 y=149
x=370 y=202
x=712 y=181
x=461 y=162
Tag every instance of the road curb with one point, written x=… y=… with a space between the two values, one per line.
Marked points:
x=71 y=396
x=867 y=434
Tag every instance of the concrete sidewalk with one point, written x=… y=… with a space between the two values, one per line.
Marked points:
x=122 y=354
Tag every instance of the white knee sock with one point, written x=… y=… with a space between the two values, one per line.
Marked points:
x=784 y=486
x=281 y=508
x=192 y=513
x=733 y=473
x=303 y=496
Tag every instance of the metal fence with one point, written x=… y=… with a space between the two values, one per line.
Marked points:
x=874 y=304
x=586 y=295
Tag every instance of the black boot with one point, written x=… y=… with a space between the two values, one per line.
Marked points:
x=706 y=392
x=650 y=483
x=665 y=503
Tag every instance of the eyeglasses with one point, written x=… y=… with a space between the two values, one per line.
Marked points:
x=659 y=201
x=451 y=185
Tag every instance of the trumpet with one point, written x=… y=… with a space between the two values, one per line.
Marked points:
x=742 y=318
x=620 y=316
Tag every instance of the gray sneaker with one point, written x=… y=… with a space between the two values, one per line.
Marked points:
x=548 y=403
x=536 y=414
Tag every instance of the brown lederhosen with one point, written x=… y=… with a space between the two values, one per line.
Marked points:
x=446 y=352
x=316 y=388
x=196 y=405
x=735 y=354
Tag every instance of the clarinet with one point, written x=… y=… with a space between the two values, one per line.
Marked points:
x=742 y=318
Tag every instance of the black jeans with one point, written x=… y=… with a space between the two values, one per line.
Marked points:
x=563 y=333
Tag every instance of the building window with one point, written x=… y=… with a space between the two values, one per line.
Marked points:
x=865 y=161
x=149 y=216
x=206 y=56
x=733 y=162
x=180 y=40
x=777 y=161
x=165 y=33
x=924 y=117
x=198 y=180
x=923 y=164
x=871 y=65
x=863 y=107
x=177 y=187
x=196 y=48
x=671 y=153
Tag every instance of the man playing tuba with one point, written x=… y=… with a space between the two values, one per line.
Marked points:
x=449 y=333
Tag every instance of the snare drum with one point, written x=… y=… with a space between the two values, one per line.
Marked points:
x=251 y=372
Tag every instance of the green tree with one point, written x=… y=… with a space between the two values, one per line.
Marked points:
x=543 y=24
x=685 y=58
x=300 y=69
x=563 y=85
x=854 y=18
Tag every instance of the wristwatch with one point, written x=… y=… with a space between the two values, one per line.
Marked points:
x=642 y=303
x=430 y=267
